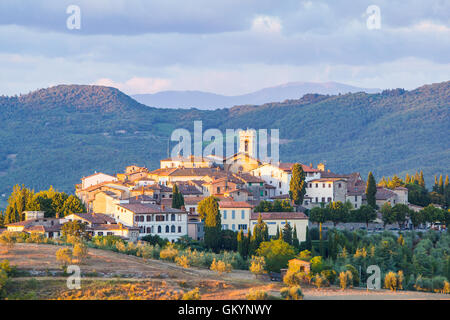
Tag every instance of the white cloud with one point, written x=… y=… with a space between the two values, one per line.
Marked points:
x=266 y=24
x=137 y=85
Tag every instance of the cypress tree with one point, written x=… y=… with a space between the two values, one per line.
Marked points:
x=295 y=241
x=371 y=191
x=287 y=233
x=421 y=179
x=297 y=185
x=209 y=209
x=441 y=185
x=277 y=236
x=241 y=244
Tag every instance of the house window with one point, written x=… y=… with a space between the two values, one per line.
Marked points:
x=172 y=229
x=242 y=227
x=159 y=218
x=224 y=227
x=317 y=199
x=279 y=184
x=323 y=185
x=224 y=214
x=173 y=217
x=339 y=185
x=149 y=218
x=233 y=214
x=159 y=229
x=243 y=214
x=100 y=233
x=136 y=218
x=329 y=185
x=149 y=230
x=179 y=229
x=323 y=199
x=218 y=189
x=233 y=227
x=329 y=199
x=356 y=198
x=317 y=185
x=167 y=229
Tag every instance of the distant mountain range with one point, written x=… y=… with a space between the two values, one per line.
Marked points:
x=210 y=101
x=57 y=135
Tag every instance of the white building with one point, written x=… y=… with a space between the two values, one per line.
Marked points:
x=279 y=176
x=96 y=179
x=235 y=215
x=153 y=219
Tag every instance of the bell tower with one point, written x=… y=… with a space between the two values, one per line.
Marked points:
x=247 y=142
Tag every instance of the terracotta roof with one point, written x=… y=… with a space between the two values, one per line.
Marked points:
x=327 y=180
x=140 y=198
x=114 y=226
x=279 y=216
x=382 y=194
x=249 y=178
x=234 y=204
x=141 y=208
x=97 y=218
x=287 y=166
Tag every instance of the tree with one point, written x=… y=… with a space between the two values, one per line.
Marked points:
x=295 y=241
x=366 y=214
x=287 y=233
x=209 y=211
x=297 y=185
x=80 y=252
x=73 y=205
x=64 y=255
x=242 y=244
x=177 y=197
x=371 y=191
x=387 y=215
x=318 y=215
x=416 y=218
x=74 y=231
x=276 y=253
x=336 y=212
x=400 y=211
x=18 y=202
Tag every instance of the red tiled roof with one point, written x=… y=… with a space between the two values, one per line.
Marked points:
x=279 y=216
x=141 y=208
x=234 y=204
x=287 y=166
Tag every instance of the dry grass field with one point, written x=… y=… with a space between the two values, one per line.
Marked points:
x=110 y=275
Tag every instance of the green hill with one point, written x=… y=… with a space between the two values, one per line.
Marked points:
x=55 y=136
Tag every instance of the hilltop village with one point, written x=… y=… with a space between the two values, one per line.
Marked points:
x=138 y=202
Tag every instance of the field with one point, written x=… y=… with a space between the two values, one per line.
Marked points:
x=110 y=275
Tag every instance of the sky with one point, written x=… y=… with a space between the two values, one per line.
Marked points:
x=228 y=47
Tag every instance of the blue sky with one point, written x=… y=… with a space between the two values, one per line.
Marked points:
x=228 y=47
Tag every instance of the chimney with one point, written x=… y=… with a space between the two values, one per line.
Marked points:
x=163 y=207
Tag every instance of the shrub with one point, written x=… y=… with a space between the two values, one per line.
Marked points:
x=320 y=281
x=182 y=261
x=148 y=251
x=169 y=253
x=329 y=275
x=446 y=288
x=220 y=266
x=192 y=295
x=7 y=240
x=254 y=294
x=292 y=293
x=277 y=253
x=390 y=281
x=6 y=267
x=345 y=279
x=80 y=252
x=3 y=282
x=257 y=265
x=355 y=274
x=64 y=255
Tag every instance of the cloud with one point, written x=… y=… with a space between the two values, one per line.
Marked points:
x=266 y=24
x=137 y=85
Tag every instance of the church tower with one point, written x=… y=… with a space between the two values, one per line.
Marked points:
x=248 y=143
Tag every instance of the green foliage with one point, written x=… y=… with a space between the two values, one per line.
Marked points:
x=177 y=197
x=297 y=185
x=275 y=206
x=208 y=210
x=42 y=132
x=292 y=293
x=277 y=253
x=371 y=190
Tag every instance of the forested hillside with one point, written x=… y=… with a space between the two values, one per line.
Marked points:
x=55 y=136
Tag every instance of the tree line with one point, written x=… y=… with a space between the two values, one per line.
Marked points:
x=52 y=202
